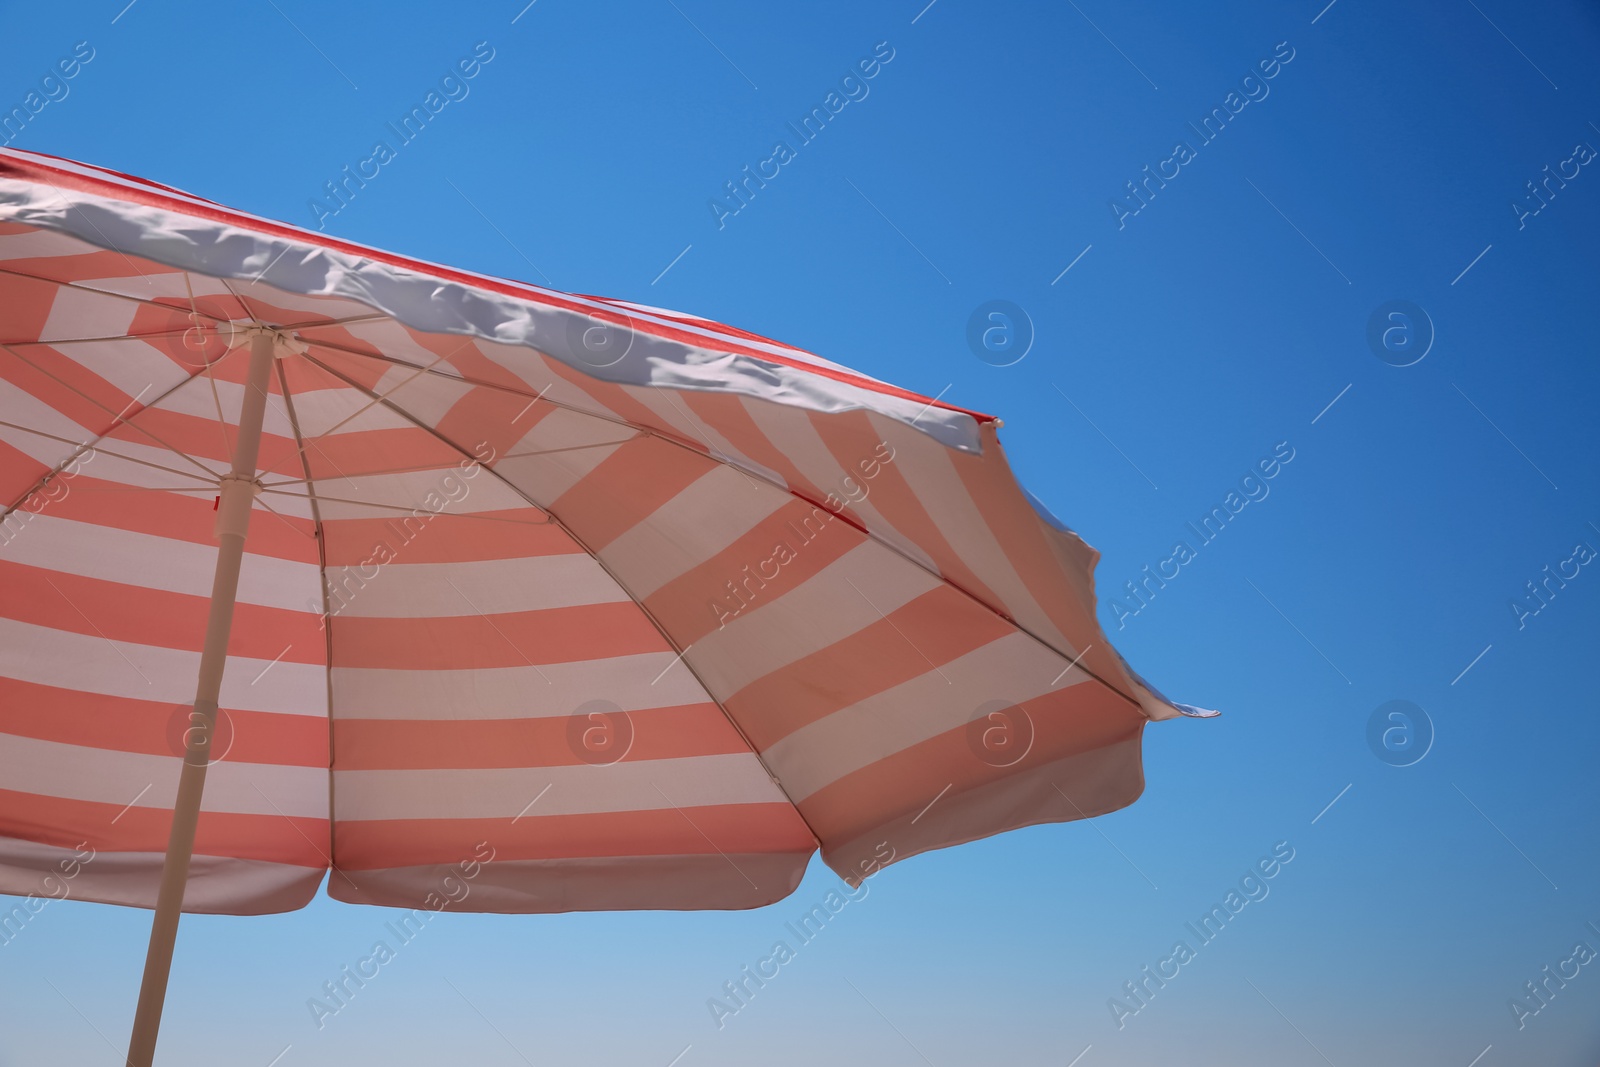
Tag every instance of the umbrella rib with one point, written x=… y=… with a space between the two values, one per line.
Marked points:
x=118 y=418
x=36 y=343
x=369 y=405
x=581 y=543
x=508 y=455
x=480 y=383
x=301 y=442
x=66 y=463
x=243 y=304
x=399 y=510
x=320 y=324
x=638 y=433
x=122 y=487
x=99 y=292
x=216 y=399
x=290 y=820
x=419 y=424
x=322 y=566
x=969 y=594
x=281 y=517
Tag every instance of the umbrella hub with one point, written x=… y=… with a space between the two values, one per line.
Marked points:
x=283 y=342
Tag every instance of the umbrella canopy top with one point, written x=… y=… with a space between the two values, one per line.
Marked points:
x=614 y=606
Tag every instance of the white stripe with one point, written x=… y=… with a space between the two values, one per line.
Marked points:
x=673 y=409
x=396 y=341
x=41 y=244
x=702 y=520
x=22 y=408
x=134 y=367
x=427 y=398
x=146 y=561
x=88 y=663
x=193 y=398
x=551 y=691
x=545 y=477
x=320 y=411
x=162 y=282
x=216 y=883
x=823 y=610
x=75 y=313
x=288 y=505
x=534 y=371
x=1014 y=668
x=491 y=793
x=105 y=776
x=481 y=587
x=442 y=490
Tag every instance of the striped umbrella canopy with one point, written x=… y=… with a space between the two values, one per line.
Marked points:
x=319 y=558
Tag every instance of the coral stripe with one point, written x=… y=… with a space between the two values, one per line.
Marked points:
x=735 y=828
x=154 y=727
x=655 y=733
x=56 y=821
x=155 y=617
x=511 y=639
x=1077 y=719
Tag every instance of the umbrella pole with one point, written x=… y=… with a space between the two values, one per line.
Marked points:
x=237 y=493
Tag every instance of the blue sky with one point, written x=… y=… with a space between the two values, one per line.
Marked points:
x=1186 y=342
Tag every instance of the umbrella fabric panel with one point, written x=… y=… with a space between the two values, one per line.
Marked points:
x=496 y=692
x=106 y=567
x=502 y=693
x=856 y=673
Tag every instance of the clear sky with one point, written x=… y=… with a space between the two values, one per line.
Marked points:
x=1167 y=346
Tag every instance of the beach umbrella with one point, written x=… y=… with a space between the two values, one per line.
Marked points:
x=316 y=558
